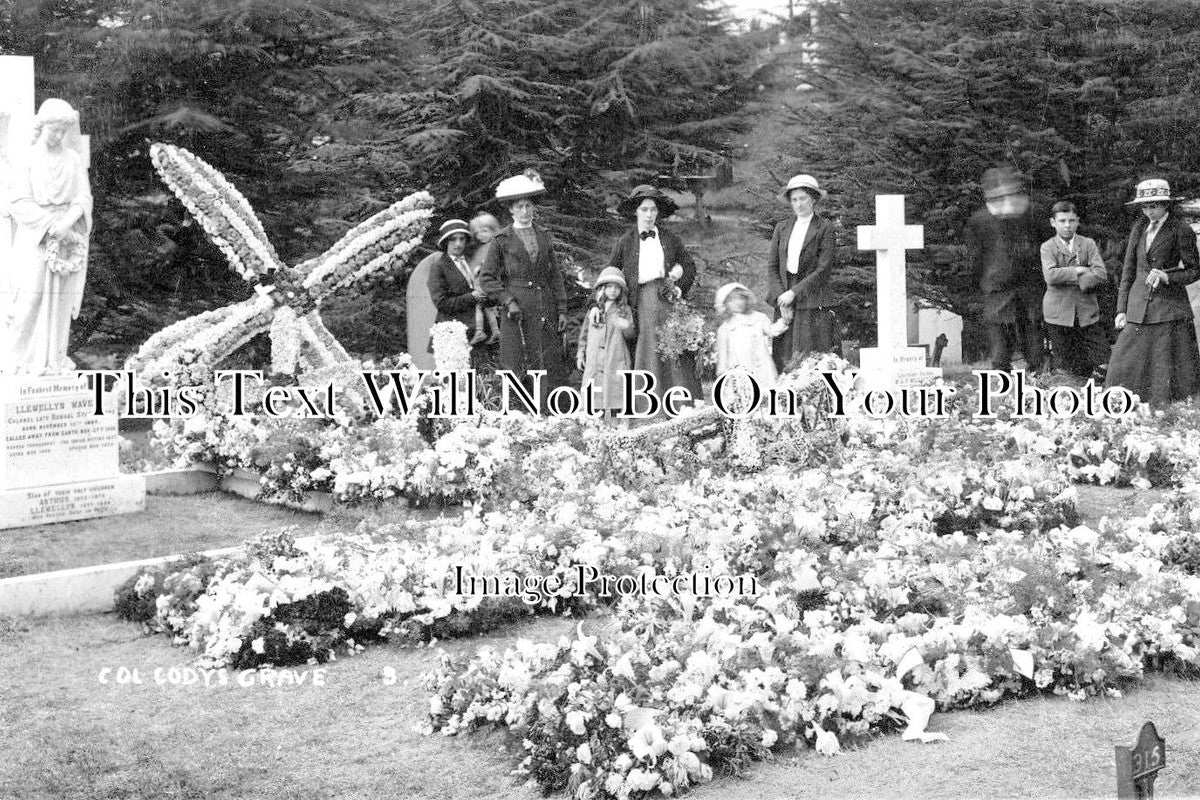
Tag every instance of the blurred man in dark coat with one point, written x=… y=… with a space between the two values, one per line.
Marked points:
x=1002 y=242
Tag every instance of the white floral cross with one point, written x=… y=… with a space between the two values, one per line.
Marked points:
x=289 y=309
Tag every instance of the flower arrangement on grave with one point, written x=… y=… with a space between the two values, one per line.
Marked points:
x=451 y=351
x=683 y=331
x=899 y=577
x=286 y=299
x=850 y=639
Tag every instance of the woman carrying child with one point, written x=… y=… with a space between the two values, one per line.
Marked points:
x=453 y=285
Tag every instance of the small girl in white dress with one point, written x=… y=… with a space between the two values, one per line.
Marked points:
x=744 y=338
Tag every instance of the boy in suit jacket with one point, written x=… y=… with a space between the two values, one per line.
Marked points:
x=1074 y=270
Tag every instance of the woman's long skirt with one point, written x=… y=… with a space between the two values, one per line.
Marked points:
x=531 y=341
x=812 y=331
x=1158 y=361
x=652 y=311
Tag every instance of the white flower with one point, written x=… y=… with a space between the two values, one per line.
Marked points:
x=583 y=753
x=624 y=667
x=1092 y=633
x=648 y=742
x=827 y=743
x=639 y=780
x=144 y=584
x=577 y=722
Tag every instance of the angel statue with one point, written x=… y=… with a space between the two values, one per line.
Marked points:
x=50 y=204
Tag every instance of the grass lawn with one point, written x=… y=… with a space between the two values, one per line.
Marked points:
x=65 y=735
x=170 y=525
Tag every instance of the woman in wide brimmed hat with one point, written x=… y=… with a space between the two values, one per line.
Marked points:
x=452 y=284
x=521 y=274
x=604 y=340
x=1156 y=354
x=800 y=268
x=658 y=269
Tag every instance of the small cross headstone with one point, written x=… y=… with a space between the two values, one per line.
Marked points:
x=1138 y=766
x=893 y=362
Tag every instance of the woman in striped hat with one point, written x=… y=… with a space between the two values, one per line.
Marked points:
x=1156 y=355
x=452 y=280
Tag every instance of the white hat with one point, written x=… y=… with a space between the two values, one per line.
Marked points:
x=807 y=182
x=527 y=184
x=1153 y=190
x=723 y=294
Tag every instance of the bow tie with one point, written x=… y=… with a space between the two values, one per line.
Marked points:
x=647 y=235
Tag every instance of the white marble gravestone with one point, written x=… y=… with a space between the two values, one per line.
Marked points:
x=894 y=362
x=933 y=322
x=58 y=461
x=421 y=314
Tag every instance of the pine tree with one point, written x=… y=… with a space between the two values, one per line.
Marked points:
x=920 y=96
x=250 y=86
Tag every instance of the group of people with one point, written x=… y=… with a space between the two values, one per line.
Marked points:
x=506 y=287
x=1024 y=286
x=509 y=290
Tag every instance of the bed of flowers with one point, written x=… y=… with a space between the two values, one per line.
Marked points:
x=859 y=629
x=900 y=566
x=399 y=579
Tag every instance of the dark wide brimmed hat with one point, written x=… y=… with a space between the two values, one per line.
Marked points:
x=628 y=207
x=452 y=227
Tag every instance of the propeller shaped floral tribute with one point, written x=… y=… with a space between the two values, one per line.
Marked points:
x=287 y=299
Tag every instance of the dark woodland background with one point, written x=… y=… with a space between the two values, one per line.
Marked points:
x=324 y=111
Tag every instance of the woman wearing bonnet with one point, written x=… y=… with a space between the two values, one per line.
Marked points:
x=51 y=204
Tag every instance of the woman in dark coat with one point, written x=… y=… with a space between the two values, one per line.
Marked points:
x=521 y=274
x=799 y=273
x=657 y=267
x=1156 y=354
